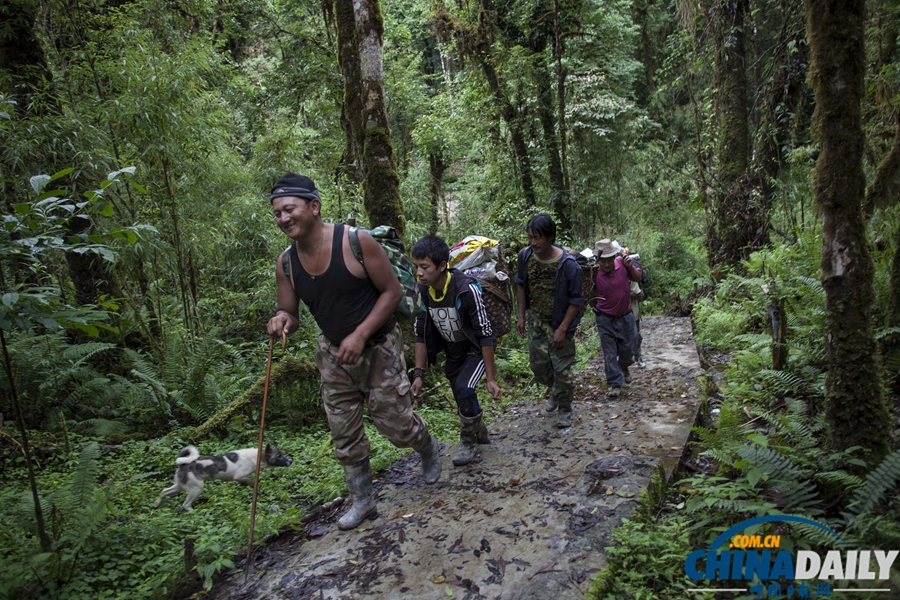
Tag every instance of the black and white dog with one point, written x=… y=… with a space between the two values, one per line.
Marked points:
x=239 y=466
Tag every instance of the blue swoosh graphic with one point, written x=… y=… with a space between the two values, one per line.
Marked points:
x=726 y=535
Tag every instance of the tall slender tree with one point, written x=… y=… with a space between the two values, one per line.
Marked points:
x=855 y=407
x=360 y=29
x=737 y=222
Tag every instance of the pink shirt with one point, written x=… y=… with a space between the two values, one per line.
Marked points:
x=613 y=290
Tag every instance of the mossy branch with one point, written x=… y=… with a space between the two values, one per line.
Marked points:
x=286 y=371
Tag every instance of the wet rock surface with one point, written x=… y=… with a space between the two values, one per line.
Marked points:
x=529 y=519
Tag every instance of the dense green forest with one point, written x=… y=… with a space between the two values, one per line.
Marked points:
x=748 y=149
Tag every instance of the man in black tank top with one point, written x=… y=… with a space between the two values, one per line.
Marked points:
x=360 y=352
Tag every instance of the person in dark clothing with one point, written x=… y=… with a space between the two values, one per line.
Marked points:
x=455 y=321
x=360 y=351
x=549 y=287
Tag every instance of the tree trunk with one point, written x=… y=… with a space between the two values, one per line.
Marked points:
x=351 y=111
x=360 y=30
x=560 y=94
x=508 y=113
x=559 y=193
x=437 y=166
x=739 y=223
x=891 y=346
x=783 y=95
x=885 y=187
x=854 y=405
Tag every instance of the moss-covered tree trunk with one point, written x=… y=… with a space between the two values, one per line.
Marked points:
x=892 y=345
x=285 y=372
x=781 y=95
x=436 y=167
x=854 y=404
x=360 y=31
x=482 y=52
x=559 y=194
x=739 y=224
x=513 y=123
x=351 y=113
x=558 y=48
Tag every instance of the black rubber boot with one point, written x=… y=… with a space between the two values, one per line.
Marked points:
x=359 y=481
x=431 y=460
x=566 y=414
x=472 y=432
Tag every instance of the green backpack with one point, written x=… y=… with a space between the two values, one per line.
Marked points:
x=411 y=303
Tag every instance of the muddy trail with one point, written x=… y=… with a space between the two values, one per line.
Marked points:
x=529 y=519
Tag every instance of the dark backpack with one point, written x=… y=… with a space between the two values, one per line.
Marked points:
x=411 y=303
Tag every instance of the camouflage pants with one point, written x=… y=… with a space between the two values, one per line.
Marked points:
x=552 y=366
x=378 y=381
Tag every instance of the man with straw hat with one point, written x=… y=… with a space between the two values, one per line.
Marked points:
x=614 y=317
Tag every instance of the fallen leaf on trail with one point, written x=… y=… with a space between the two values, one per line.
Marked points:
x=316 y=532
x=616 y=448
x=625 y=493
x=438 y=579
x=406 y=516
x=448 y=590
x=353 y=562
x=437 y=504
x=609 y=491
x=517 y=480
x=628 y=432
x=594 y=512
x=614 y=417
x=543 y=569
x=487 y=511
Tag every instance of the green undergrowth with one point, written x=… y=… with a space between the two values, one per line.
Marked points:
x=765 y=452
x=111 y=542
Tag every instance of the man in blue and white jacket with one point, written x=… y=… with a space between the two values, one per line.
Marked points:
x=455 y=321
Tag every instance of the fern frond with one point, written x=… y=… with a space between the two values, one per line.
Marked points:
x=810 y=283
x=878 y=482
x=80 y=353
x=754 y=340
x=887 y=332
x=104 y=427
x=820 y=537
x=781 y=382
x=84 y=480
x=775 y=465
x=840 y=478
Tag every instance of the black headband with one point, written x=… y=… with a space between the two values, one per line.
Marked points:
x=299 y=192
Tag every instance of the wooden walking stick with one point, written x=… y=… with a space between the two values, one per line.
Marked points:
x=259 y=451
